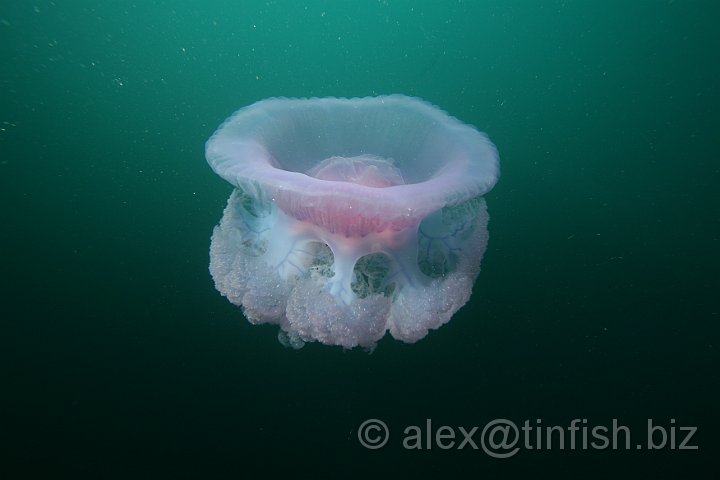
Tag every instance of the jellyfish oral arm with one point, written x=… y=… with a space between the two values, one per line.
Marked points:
x=346 y=290
x=292 y=249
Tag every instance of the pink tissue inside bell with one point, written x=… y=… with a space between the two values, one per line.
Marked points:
x=342 y=216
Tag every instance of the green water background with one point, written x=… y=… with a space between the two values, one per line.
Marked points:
x=598 y=297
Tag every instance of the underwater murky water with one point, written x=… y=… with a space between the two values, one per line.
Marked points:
x=597 y=298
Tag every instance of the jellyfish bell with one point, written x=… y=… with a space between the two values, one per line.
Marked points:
x=350 y=218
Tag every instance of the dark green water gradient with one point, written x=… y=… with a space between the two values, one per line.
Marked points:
x=598 y=294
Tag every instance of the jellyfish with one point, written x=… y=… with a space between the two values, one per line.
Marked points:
x=350 y=218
